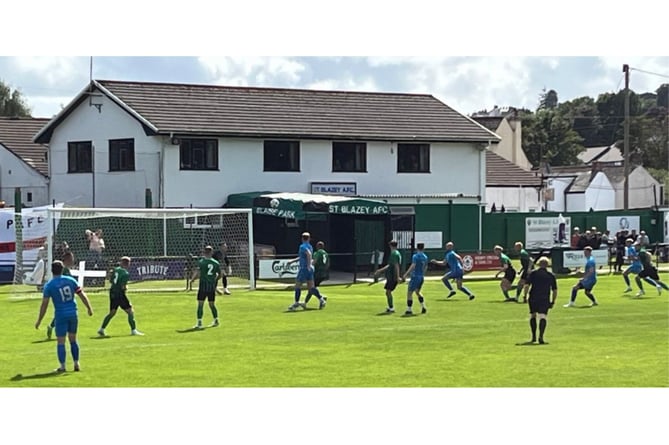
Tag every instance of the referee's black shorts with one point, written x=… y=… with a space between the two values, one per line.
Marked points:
x=539 y=305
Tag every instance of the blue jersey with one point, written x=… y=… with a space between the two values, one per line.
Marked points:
x=452 y=259
x=302 y=254
x=61 y=290
x=591 y=268
x=420 y=261
x=633 y=255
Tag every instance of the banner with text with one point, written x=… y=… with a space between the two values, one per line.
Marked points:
x=480 y=261
x=269 y=269
x=615 y=224
x=35 y=228
x=547 y=232
x=145 y=269
x=575 y=258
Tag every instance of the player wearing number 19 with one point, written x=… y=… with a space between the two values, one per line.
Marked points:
x=118 y=298
x=61 y=290
x=210 y=272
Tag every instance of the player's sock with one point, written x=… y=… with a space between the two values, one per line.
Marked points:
x=214 y=311
x=53 y=323
x=638 y=282
x=200 y=312
x=60 y=350
x=298 y=292
x=224 y=280
x=518 y=291
x=533 y=328
x=409 y=304
x=106 y=321
x=421 y=300
x=664 y=286
x=466 y=291
x=131 y=321
x=74 y=348
x=506 y=294
x=308 y=297
x=573 y=295
x=314 y=291
x=591 y=297
x=627 y=280
x=389 y=298
x=447 y=283
x=650 y=281
x=542 y=328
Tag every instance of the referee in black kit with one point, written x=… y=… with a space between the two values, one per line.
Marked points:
x=543 y=293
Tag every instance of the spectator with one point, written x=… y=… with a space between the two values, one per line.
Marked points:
x=575 y=237
x=643 y=240
x=96 y=246
x=633 y=235
x=620 y=250
x=605 y=240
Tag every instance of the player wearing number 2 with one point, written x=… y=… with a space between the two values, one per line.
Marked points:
x=210 y=272
x=61 y=290
x=118 y=298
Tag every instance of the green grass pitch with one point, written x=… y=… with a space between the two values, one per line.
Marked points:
x=624 y=342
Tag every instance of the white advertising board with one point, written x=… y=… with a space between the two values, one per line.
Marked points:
x=575 y=258
x=615 y=224
x=547 y=232
x=273 y=269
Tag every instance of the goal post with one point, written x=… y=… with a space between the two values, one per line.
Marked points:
x=163 y=244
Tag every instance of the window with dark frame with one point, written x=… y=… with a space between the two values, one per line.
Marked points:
x=80 y=157
x=281 y=156
x=413 y=158
x=349 y=157
x=121 y=155
x=198 y=154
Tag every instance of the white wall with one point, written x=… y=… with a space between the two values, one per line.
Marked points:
x=641 y=189
x=600 y=194
x=575 y=202
x=16 y=173
x=519 y=199
x=112 y=189
x=560 y=185
x=454 y=169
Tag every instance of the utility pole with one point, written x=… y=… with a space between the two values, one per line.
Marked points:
x=626 y=137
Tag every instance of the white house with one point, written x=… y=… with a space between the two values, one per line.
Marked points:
x=575 y=189
x=198 y=144
x=23 y=163
x=510 y=187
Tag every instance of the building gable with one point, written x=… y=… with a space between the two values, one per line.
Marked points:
x=16 y=135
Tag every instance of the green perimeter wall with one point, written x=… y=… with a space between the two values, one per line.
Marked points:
x=507 y=228
x=460 y=222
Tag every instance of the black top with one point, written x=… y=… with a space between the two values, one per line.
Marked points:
x=541 y=282
x=221 y=258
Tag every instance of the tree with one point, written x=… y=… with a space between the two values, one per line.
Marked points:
x=12 y=103
x=549 y=99
x=548 y=136
x=663 y=96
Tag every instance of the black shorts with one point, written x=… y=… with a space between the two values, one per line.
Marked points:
x=525 y=274
x=539 y=305
x=510 y=274
x=117 y=300
x=319 y=280
x=391 y=284
x=206 y=294
x=649 y=272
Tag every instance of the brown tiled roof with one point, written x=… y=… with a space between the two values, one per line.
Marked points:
x=184 y=109
x=502 y=173
x=490 y=122
x=16 y=134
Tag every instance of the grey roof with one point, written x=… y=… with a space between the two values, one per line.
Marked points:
x=16 y=135
x=580 y=183
x=490 y=122
x=186 y=109
x=601 y=154
x=503 y=173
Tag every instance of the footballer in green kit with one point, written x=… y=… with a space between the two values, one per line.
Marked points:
x=210 y=273
x=118 y=298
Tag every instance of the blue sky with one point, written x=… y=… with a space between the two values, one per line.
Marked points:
x=468 y=84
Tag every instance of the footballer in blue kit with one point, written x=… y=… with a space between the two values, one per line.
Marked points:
x=61 y=291
x=456 y=271
x=305 y=274
x=588 y=281
x=635 y=266
x=417 y=271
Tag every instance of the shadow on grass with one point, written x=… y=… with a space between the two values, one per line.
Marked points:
x=186 y=331
x=43 y=375
x=46 y=340
x=385 y=313
x=529 y=343
x=100 y=337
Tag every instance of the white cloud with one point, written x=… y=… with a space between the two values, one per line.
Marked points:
x=53 y=71
x=345 y=84
x=253 y=70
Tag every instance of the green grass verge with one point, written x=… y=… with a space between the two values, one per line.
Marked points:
x=624 y=342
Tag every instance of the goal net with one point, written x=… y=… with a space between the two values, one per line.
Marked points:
x=163 y=245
